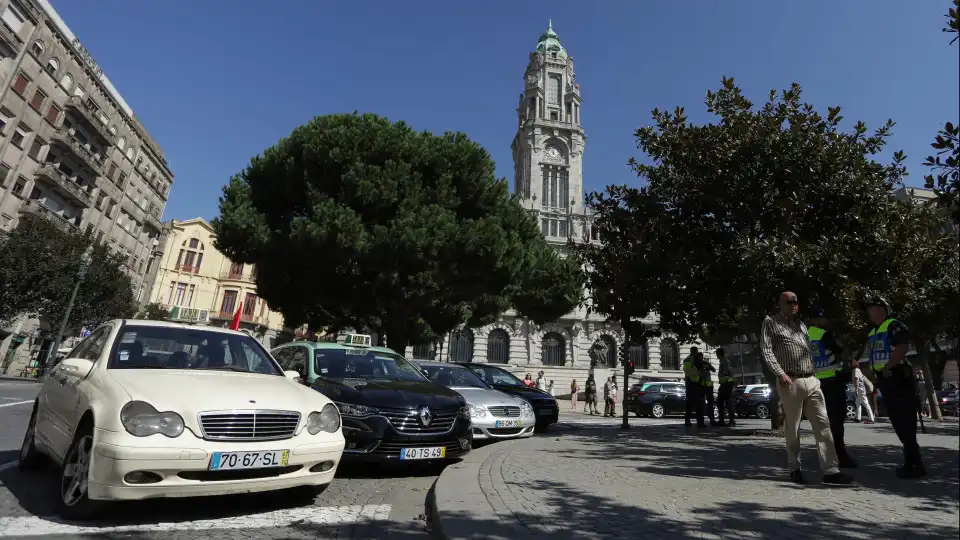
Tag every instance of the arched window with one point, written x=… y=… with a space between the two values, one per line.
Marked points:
x=121 y=143
x=638 y=355
x=37 y=48
x=113 y=130
x=130 y=153
x=669 y=355
x=53 y=65
x=67 y=82
x=498 y=347
x=190 y=257
x=613 y=360
x=461 y=345
x=424 y=351
x=554 y=350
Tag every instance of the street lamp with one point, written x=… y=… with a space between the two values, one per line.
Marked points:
x=85 y=260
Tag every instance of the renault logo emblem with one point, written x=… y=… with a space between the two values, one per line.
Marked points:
x=425 y=415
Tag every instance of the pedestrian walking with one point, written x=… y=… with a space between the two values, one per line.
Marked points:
x=541 y=381
x=888 y=342
x=694 y=397
x=834 y=372
x=606 y=398
x=590 y=396
x=786 y=352
x=528 y=380
x=550 y=387
x=574 y=394
x=862 y=388
x=706 y=380
x=725 y=392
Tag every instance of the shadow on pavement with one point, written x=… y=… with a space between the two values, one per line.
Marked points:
x=358 y=470
x=8 y=456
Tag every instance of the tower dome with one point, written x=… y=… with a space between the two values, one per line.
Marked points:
x=550 y=42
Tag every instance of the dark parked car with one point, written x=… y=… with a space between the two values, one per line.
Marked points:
x=659 y=399
x=752 y=400
x=949 y=401
x=391 y=411
x=543 y=403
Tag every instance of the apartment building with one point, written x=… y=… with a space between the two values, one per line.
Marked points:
x=72 y=151
x=201 y=285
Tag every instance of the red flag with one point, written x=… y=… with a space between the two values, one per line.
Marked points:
x=235 y=323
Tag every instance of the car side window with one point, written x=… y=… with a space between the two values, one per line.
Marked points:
x=297 y=359
x=655 y=388
x=90 y=348
x=282 y=356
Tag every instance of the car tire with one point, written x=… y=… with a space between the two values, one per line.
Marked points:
x=851 y=411
x=74 y=501
x=31 y=459
x=763 y=412
x=637 y=413
x=657 y=410
x=541 y=427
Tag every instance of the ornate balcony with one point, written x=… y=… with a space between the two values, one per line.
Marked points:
x=52 y=176
x=131 y=208
x=230 y=275
x=151 y=220
x=244 y=317
x=188 y=268
x=87 y=110
x=38 y=209
x=64 y=138
x=10 y=38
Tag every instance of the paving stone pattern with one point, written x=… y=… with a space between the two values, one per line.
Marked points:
x=671 y=482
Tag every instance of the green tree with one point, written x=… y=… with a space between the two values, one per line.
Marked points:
x=945 y=178
x=354 y=221
x=153 y=311
x=39 y=264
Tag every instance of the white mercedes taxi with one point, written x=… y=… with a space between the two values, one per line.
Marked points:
x=146 y=409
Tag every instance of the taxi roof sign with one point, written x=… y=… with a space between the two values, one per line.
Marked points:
x=358 y=340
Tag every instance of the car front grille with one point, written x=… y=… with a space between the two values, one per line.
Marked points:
x=256 y=425
x=505 y=412
x=408 y=420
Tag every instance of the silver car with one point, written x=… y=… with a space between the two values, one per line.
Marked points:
x=494 y=414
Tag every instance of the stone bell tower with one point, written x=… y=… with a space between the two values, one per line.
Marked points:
x=548 y=146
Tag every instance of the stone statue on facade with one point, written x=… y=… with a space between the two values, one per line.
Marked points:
x=598 y=354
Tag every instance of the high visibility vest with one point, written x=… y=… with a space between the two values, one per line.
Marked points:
x=823 y=366
x=690 y=371
x=705 y=378
x=878 y=342
x=724 y=374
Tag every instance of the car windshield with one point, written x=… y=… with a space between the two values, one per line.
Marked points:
x=453 y=376
x=358 y=363
x=494 y=376
x=170 y=347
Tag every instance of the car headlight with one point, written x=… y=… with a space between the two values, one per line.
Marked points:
x=356 y=411
x=328 y=419
x=141 y=419
x=525 y=409
x=475 y=411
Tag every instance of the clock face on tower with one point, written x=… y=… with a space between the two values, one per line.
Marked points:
x=553 y=154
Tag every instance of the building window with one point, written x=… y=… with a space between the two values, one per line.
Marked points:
x=669 y=355
x=4 y=173
x=498 y=347
x=190 y=290
x=461 y=345
x=53 y=114
x=79 y=91
x=229 y=303
x=66 y=82
x=638 y=355
x=37 y=100
x=121 y=143
x=18 y=136
x=113 y=130
x=554 y=350
x=53 y=65
x=130 y=153
x=37 y=48
x=112 y=170
x=20 y=85
x=424 y=351
x=36 y=147
x=553 y=90
x=13 y=18
x=249 y=304
x=20 y=186
x=177 y=292
x=190 y=256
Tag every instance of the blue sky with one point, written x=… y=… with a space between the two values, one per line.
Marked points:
x=218 y=81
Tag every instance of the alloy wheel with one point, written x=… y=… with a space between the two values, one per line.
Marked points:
x=763 y=412
x=76 y=471
x=657 y=410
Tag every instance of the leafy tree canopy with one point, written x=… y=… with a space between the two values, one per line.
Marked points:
x=354 y=221
x=945 y=178
x=153 y=312
x=39 y=264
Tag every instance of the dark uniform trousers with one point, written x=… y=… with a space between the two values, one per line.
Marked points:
x=835 y=394
x=694 y=401
x=708 y=399
x=900 y=397
x=725 y=401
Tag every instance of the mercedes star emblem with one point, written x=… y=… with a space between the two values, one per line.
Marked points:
x=425 y=415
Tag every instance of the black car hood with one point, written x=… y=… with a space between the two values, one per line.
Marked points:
x=389 y=393
x=525 y=392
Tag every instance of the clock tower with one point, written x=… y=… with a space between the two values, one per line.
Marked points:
x=548 y=147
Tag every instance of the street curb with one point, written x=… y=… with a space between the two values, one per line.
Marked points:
x=460 y=506
x=18 y=379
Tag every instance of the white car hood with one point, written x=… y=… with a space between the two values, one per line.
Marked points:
x=485 y=397
x=190 y=392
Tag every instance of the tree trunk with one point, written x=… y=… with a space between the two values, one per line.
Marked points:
x=776 y=408
x=929 y=391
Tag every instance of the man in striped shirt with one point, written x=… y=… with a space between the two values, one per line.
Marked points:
x=786 y=351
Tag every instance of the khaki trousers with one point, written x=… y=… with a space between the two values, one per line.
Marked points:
x=804 y=397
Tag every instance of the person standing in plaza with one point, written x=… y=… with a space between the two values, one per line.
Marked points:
x=574 y=394
x=706 y=381
x=888 y=342
x=725 y=392
x=606 y=397
x=786 y=352
x=590 y=396
x=862 y=388
x=694 y=398
x=541 y=382
x=834 y=372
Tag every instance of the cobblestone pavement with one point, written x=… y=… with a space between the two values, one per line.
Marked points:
x=666 y=481
x=362 y=502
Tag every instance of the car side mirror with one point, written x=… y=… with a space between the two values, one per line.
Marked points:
x=75 y=367
x=292 y=375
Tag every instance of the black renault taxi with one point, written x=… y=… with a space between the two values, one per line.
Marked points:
x=542 y=402
x=391 y=411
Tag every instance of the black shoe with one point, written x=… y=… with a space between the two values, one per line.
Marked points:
x=837 y=479
x=910 y=472
x=797 y=478
x=848 y=463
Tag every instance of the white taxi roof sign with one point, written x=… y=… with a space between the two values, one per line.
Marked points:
x=358 y=340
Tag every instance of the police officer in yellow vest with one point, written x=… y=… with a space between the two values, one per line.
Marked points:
x=691 y=371
x=887 y=342
x=706 y=380
x=834 y=372
x=725 y=393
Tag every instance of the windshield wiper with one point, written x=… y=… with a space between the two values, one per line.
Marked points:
x=228 y=368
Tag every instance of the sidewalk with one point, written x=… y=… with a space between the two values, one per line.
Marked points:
x=5 y=378
x=663 y=481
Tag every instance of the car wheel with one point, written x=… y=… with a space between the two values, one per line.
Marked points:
x=541 y=427
x=637 y=413
x=75 y=502
x=763 y=412
x=657 y=410
x=30 y=458
x=851 y=411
